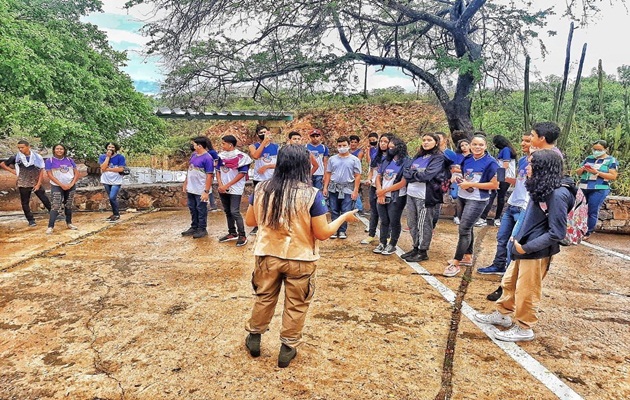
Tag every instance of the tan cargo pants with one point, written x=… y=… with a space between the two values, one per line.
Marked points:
x=522 y=290
x=299 y=288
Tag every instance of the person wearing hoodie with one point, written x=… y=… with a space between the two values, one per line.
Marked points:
x=533 y=247
x=231 y=175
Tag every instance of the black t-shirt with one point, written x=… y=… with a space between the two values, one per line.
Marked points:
x=28 y=176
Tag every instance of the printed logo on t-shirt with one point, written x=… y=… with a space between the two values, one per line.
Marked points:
x=266 y=157
x=224 y=169
x=389 y=174
x=64 y=169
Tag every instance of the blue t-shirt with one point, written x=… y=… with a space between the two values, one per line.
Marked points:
x=110 y=177
x=373 y=152
x=199 y=167
x=319 y=152
x=505 y=154
x=451 y=155
x=389 y=170
x=356 y=152
x=268 y=156
x=520 y=195
x=481 y=170
x=318 y=208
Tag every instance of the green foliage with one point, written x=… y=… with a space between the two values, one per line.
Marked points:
x=60 y=81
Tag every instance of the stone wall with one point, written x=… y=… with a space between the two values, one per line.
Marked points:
x=613 y=217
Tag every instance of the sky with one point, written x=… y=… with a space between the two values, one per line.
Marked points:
x=602 y=35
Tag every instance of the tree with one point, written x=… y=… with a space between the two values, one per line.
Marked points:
x=60 y=80
x=214 y=46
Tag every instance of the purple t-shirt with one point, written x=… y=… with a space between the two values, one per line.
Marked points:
x=389 y=170
x=199 y=167
x=62 y=169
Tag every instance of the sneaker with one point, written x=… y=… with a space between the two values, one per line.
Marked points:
x=389 y=249
x=495 y=318
x=421 y=255
x=252 y=342
x=379 y=249
x=228 y=238
x=32 y=223
x=334 y=236
x=342 y=235
x=189 y=232
x=286 y=355
x=214 y=209
x=72 y=227
x=456 y=220
x=497 y=223
x=451 y=270
x=366 y=230
x=368 y=240
x=242 y=241
x=491 y=270
x=410 y=253
x=496 y=295
x=113 y=218
x=49 y=231
x=200 y=233
x=481 y=222
x=254 y=231
x=515 y=334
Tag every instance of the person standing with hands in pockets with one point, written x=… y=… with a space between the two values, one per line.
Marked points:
x=112 y=164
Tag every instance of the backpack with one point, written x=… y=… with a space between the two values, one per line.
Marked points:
x=576 y=221
x=445 y=176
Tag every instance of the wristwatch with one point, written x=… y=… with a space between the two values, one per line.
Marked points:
x=205 y=191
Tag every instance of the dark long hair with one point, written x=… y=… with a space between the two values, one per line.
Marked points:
x=65 y=149
x=292 y=172
x=422 y=152
x=379 y=154
x=458 y=148
x=501 y=142
x=401 y=150
x=546 y=174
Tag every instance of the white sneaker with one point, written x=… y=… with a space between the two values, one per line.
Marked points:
x=379 y=249
x=515 y=334
x=497 y=223
x=389 y=249
x=496 y=318
x=49 y=231
x=481 y=222
x=456 y=220
x=72 y=227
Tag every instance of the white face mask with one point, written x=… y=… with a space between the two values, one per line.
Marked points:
x=343 y=150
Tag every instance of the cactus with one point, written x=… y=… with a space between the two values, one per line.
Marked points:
x=565 y=77
x=600 y=98
x=526 y=110
x=564 y=135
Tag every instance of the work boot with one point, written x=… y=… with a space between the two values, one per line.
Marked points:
x=252 y=342
x=286 y=355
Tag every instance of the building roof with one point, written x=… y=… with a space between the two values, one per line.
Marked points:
x=232 y=115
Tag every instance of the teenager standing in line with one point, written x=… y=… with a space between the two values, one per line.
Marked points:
x=462 y=150
x=291 y=216
x=231 y=174
x=29 y=168
x=112 y=164
x=198 y=185
x=358 y=152
x=264 y=152
x=63 y=174
x=320 y=152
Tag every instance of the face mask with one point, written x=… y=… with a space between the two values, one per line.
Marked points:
x=343 y=150
x=598 y=153
x=261 y=137
x=373 y=144
x=192 y=147
x=392 y=152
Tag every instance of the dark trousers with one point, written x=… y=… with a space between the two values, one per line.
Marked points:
x=390 y=215
x=61 y=199
x=500 y=195
x=373 y=212
x=471 y=210
x=25 y=199
x=198 y=211
x=339 y=206
x=232 y=207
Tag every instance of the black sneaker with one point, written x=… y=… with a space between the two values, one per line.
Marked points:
x=32 y=223
x=242 y=241
x=113 y=218
x=189 y=232
x=410 y=253
x=494 y=296
x=254 y=231
x=199 y=233
x=252 y=342
x=286 y=355
x=228 y=237
x=421 y=255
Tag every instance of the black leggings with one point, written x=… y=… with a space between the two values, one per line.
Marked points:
x=499 y=194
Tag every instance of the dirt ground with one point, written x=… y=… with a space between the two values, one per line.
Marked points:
x=134 y=311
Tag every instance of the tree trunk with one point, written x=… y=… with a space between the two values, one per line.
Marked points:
x=458 y=115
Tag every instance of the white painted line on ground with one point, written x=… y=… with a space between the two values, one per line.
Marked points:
x=607 y=251
x=529 y=363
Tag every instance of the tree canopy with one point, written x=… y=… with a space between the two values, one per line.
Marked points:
x=61 y=81
x=214 y=46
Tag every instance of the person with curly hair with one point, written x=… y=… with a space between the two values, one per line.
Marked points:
x=533 y=247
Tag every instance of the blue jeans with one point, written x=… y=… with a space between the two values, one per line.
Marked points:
x=594 y=199
x=339 y=206
x=471 y=210
x=318 y=181
x=198 y=211
x=359 y=203
x=508 y=222
x=112 y=193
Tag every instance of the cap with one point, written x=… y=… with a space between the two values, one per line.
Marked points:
x=315 y=132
